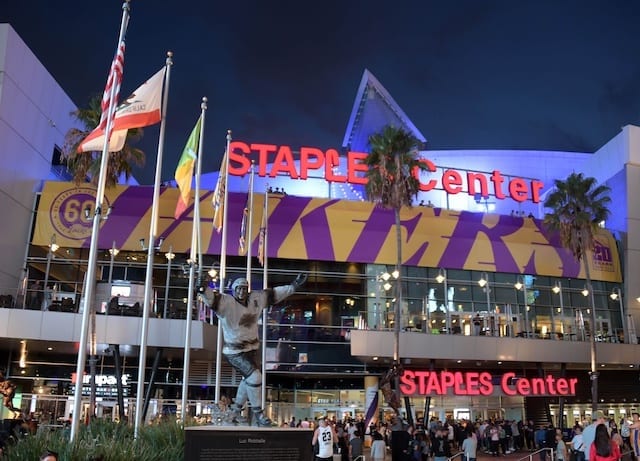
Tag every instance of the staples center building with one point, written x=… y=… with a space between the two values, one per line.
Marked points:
x=495 y=320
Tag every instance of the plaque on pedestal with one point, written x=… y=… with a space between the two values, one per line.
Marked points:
x=245 y=443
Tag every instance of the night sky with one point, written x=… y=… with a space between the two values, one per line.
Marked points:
x=548 y=74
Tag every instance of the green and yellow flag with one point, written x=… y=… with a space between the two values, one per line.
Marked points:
x=184 y=170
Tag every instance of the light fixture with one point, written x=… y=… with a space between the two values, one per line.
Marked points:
x=386 y=286
x=441 y=277
x=484 y=279
x=556 y=288
x=584 y=291
x=395 y=274
x=385 y=276
x=614 y=294
x=170 y=255
x=53 y=246
x=114 y=251
x=518 y=285
x=213 y=272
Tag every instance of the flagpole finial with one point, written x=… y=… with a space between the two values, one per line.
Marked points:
x=229 y=135
x=169 y=58
x=203 y=106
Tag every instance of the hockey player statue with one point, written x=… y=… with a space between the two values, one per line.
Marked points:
x=238 y=315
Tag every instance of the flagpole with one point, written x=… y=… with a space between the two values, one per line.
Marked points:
x=153 y=232
x=195 y=230
x=249 y=230
x=223 y=262
x=264 y=286
x=93 y=248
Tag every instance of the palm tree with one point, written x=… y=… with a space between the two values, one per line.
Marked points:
x=579 y=205
x=392 y=182
x=85 y=166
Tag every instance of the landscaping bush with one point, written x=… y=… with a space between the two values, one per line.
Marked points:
x=104 y=441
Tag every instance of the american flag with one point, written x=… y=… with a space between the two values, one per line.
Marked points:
x=114 y=79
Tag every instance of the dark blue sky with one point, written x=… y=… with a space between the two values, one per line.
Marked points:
x=548 y=74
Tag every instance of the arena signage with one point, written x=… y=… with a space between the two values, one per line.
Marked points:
x=451 y=181
x=482 y=383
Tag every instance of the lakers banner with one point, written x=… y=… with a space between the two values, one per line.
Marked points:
x=324 y=229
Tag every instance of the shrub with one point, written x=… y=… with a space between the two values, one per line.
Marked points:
x=104 y=441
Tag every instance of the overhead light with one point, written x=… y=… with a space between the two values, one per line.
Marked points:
x=395 y=274
x=584 y=291
x=53 y=246
x=556 y=288
x=484 y=279
x=385 y=276
x=615 y=294
x=386 y=286
x=170 y=255
x=441 y=277
x=518 y=285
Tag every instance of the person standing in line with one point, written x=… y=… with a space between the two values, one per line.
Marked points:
x=603 y=448
x=441 y=449
x=324 y=437
x=378 y=448
x=577 y=443
x=541 y=441
x=470 y=447
x=561 y=448
x=634 y=434
x=355 y=446
x=589 y=433
x=625 y=433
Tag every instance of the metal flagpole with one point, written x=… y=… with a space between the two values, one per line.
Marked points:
x=265 y=281
x=153 y=231
x=249 y=230
x=195 y=231
x=90 y=275
x=223 y=262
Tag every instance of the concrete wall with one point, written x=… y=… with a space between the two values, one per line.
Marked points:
x=34 y=117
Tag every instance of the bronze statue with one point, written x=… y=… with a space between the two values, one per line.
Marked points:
x=8 y=391
x=238 y=314
x=386 y=386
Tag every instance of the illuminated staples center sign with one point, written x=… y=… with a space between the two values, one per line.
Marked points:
x=328 y=162
x=473 y=383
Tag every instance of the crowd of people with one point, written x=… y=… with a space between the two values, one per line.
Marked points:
x=600 y=440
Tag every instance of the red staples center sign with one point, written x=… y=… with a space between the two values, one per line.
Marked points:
x=482 y=383
x=314 y=159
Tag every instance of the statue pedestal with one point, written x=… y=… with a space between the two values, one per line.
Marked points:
x=245 y=443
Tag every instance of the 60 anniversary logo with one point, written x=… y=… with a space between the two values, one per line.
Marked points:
x=68 y=212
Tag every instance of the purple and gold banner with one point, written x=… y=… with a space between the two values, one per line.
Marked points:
x=307 y=228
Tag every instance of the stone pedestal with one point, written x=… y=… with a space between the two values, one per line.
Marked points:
x=244 y=443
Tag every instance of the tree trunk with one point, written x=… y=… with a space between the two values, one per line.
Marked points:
x=592 y=339
x=398 y=289
x=398 y=305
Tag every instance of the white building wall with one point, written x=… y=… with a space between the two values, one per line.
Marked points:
x=34 y=117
